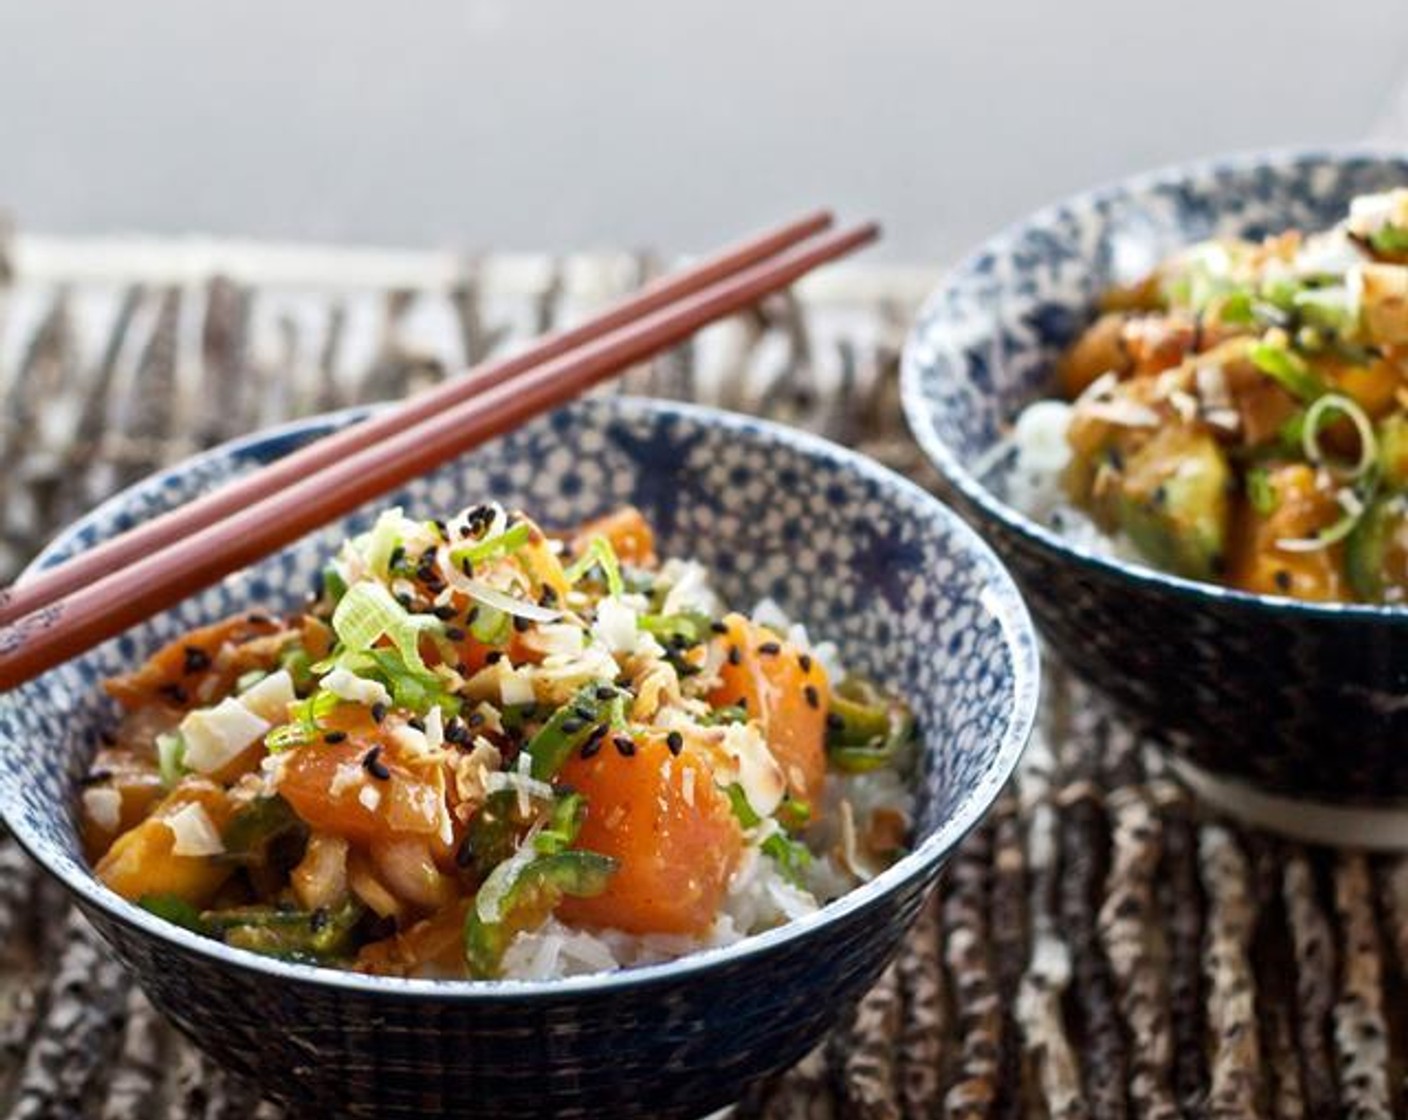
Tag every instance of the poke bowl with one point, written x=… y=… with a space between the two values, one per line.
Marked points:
x=909 y=595
x=1288 y=712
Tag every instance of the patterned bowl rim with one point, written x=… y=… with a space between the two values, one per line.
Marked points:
x=920 y=415
x=1000 y=597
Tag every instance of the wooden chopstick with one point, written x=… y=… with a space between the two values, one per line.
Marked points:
x=51 y=584
x=105 y=608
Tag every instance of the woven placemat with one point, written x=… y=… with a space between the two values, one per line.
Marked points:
x=1096 y=949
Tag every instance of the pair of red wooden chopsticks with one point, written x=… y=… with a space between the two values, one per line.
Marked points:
x=65 y=610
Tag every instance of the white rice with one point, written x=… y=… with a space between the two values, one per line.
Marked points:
x=1032 y=483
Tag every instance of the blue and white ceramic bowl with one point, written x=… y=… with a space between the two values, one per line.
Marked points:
x=857 y=553
x=1269 y=703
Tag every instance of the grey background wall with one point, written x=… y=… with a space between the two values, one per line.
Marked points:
x=535 y=124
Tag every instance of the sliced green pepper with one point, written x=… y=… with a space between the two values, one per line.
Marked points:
x=267 y=838
x=526 y=902
x=571 y=725
x=313 y=936
x=495 y=831
x=564 y=824
x=866 y=729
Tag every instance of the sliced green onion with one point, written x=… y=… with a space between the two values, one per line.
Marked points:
x=334 y=585
x=1390 y=239
x=791 y=856
x=1334 y=308
x=1323 y=411
x=599 y=553
x=1260 y=493
x=299 y=665
x=1287 y=370
x=171 y=757
x=368 y=612
x=689 y=625
x=730 y=713
x=794 y=814
x=381 y=542
x=303 y=728
x=738 y=801
x=510 y=540
x=248 y=680
x=286 y=737
x=490 y=626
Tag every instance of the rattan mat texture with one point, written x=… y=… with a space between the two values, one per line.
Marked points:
x=1097 y=949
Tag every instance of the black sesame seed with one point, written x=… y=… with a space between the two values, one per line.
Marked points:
x=741 y=702
x=599 y=732
x=455 y=731
x=584 y=713
x=624 y=745
x=397 y=555
x=548 y=597
x=571 y=725
x=521 y=624
x=606 y=693
x=470 y=615
x=590 y=748
x=258 y=618
x=404 y=598
x=735 y=655
x=835 y=722
x=464 y=854
x=378 y=711
x=770 y=649
x=374 y=766
x=454 y=633
x=174 y=692
x=675 y=741
x=441 y=528
x=335 y=737
x=445 y=613
x=197 y=660
x=94 y=778
x=475 y=719
x=417 y=723
x=679 y=641
x=805 y=661
x=812 y=697
x=466 y=566
x=718 y=627
x=493 y=657
x=1283 y=579
x=318 y=919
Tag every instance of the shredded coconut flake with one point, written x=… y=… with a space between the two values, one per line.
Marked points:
x=195 y=833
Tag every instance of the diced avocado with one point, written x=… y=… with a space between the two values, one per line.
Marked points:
x=1174 y=502
x=1374 y=557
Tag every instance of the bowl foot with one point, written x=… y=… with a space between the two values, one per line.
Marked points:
x=1383 y=829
